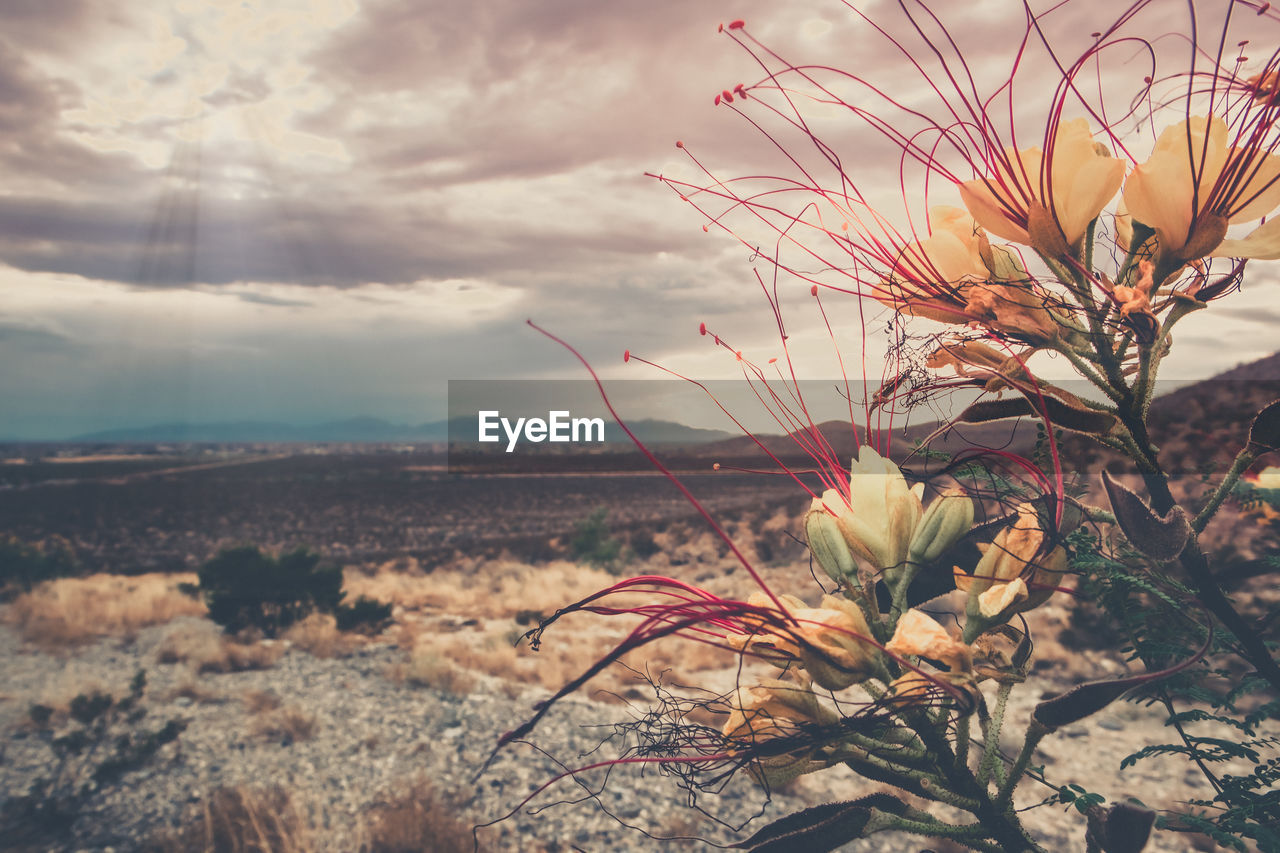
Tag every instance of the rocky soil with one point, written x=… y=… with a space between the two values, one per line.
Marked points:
x=373 y=733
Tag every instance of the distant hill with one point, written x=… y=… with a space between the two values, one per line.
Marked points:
x=367 y=430
x=363 y=429
x=1200 y=424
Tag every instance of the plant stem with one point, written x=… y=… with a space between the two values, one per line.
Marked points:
x=1243 y=460
x=992 y=736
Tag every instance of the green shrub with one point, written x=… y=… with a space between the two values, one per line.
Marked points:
x=591 y=542
x=25 y=564
x=366 y=615
x=105 y=738
x=643 y=544
x=245 y=588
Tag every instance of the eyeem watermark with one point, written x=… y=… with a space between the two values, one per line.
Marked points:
x=559 y=427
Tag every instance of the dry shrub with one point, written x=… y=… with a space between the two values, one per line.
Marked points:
x=318 y=634
x=414 y=818
x=195 y=692
x=69 y=611
x=446 y=661
x=426 y=667
x=499 y=589
x=205 y=648
x=257 y=701
x=287 y=723
x=57 y=694
x=243 y=820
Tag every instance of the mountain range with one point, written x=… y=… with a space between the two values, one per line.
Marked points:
x=367 y=430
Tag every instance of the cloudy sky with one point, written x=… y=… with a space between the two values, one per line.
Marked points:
x=305 y=210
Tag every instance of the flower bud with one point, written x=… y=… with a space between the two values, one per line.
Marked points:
x=880 y=512
x=947 y=519
x=827 y=545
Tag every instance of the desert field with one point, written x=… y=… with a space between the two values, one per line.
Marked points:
x=380 y=737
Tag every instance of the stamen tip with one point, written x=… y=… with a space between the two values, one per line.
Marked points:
x=626 y=356
x=702 y=329
x=737 y=25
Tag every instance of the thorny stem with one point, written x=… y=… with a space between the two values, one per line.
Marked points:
x=998 y=818
x=1243 y=460
x=964 y=727
x=1086 y=370
x=1035 y=734
x=1193 y=560
x=972 y=834
x=991 y=736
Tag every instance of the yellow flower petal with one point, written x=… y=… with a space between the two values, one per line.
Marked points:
x=1000 y=597
x=1263 y=244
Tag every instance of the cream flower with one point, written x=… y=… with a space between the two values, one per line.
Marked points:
x=1047 y=205
x=919 y=634
x=930 y=274
x=830 y=642
x=880 y=512
x=1193 y=186
x=1001 y=583
x=955 y=275
x=779 y=710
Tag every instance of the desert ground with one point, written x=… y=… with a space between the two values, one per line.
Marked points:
x=382 y=739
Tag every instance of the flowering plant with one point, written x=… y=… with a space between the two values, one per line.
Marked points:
x=1126 y=213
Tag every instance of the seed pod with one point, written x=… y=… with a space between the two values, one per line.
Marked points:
x=1161 y=538
x=1264 y=434
x=1123 y=828
x=822 y=828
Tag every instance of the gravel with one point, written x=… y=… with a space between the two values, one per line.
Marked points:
x=373 y=733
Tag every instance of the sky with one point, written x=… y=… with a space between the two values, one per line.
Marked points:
x=307 y=210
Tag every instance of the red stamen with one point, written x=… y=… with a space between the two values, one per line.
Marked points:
x=737 y=25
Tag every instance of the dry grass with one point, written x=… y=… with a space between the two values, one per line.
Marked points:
x=445 y=660
x=58 y=693
x=258 y=701
x=495 y=590
x=463 y=624
x=71 y=611
x=318 y=634
x=426 y=667
x=244 y=820
x=284 y=723
x=203 y=647
x=195 y=692
x=414 y=818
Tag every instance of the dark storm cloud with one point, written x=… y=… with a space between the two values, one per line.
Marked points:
x=534 y=89
x=183 y=238
x=265 y=299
